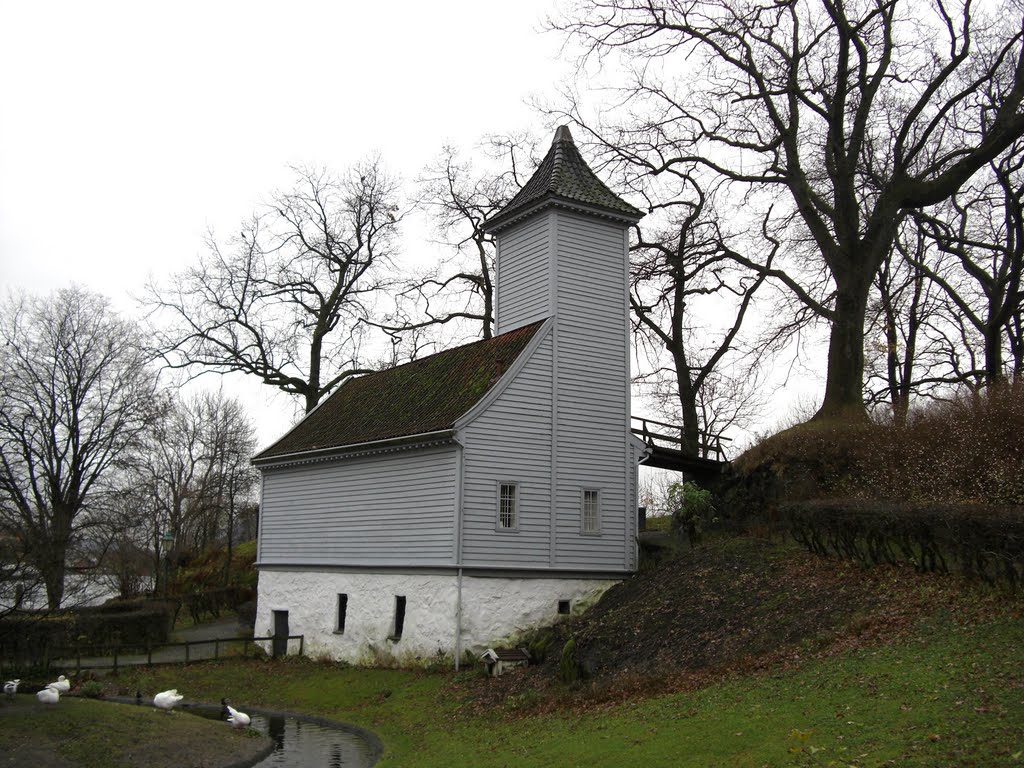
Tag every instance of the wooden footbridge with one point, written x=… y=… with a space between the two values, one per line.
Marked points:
x=666 y=444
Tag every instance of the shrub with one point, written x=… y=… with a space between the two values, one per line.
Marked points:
x=986 y=542
x=692 y=508
x=568 y=664
x=92 y=689
x=202 y=584
x=968 y=451
x=213 y=602
x=247 y=614
x=31 y=638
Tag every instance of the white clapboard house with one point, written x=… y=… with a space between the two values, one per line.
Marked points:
x=450 y=503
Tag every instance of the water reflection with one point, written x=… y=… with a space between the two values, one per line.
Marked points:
x=300 y=743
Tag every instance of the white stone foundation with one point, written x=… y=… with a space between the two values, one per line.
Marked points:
x=494 y=611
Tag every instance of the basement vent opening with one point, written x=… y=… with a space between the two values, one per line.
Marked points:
x=342 y=613
x=564 y=607
x=399 y=623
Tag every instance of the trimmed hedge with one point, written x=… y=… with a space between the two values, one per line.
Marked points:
x=31 y=638
x=983 y=541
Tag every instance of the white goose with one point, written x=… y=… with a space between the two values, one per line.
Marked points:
x=236 y=719
x=167 y=700
x=11 y=687
x=63 y=685
x=48 y=695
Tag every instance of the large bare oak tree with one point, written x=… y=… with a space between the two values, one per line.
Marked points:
x=839 y=116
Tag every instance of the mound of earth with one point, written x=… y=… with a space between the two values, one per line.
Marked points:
x=734 y=604
x=717 y=604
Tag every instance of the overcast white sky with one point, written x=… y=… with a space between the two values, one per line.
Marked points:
x=128 y=129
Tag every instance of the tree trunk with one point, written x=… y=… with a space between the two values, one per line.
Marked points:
x=52 y=567
x=993 y=353
x=54 y=580
x=844 y=383
x=690 y=446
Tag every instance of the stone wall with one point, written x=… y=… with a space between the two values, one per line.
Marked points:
x=494 y=611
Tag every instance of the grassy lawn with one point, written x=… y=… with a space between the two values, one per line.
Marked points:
x=81 y=733
x=949 y=695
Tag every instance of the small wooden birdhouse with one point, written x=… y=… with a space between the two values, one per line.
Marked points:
x=498 y=660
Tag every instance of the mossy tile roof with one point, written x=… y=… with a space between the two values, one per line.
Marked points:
x=426 y=395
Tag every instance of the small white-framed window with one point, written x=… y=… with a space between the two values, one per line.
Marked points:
x=508 y=507
x=590 y=516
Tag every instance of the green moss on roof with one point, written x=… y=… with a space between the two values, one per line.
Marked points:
x=426 y=395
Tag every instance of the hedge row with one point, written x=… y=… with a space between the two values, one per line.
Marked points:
x=983 y=541
x=31 y=637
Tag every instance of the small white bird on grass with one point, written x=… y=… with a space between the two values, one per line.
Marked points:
x=236 y=719
x=11 y=687
x=167 y=700
x=63 y=685
x=48 y=695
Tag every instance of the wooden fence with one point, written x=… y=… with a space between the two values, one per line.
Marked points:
x=105 y=657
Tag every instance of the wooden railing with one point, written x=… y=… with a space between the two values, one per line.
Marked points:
x=107 y=657
x=658 y=433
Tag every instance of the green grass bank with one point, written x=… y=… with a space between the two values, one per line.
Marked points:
x=757 y=655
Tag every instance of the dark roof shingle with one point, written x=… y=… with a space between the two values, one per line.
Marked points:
x=564 y=175
x=426 y=395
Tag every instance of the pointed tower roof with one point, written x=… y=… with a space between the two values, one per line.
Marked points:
x=563 y=178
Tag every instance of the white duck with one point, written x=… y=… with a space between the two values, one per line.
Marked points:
x=167 y=700
x=48 y=695
x=236 y=719
x=63 y=685
x=11 y=687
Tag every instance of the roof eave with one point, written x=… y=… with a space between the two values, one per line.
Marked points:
x=505 y=219
x=259 y=456
x=373 y=446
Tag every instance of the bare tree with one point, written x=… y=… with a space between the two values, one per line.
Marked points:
x=125 y=566
x=231 y=441
x=287 y=300
x=21 y=585
x=909 y=335
x=982 y=228
x=459 y=195
x=196 y=473
x=671 y=271
x=76 y=391
x=837 y=117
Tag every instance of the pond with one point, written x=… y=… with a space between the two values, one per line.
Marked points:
x=306 y=742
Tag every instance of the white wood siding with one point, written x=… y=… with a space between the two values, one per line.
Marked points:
x=592 y=391
x=510 y=442
x=565 y=416
x=387 y=509
x=523 y=274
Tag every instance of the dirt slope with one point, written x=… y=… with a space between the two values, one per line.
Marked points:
x=735 y=604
